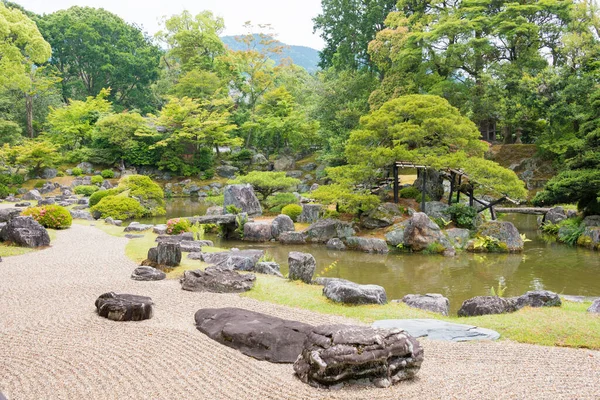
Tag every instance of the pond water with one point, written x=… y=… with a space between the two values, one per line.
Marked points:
x=543 y=265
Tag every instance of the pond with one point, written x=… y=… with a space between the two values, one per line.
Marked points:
x=543 y=265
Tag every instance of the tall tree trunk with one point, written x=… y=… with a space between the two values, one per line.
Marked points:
x=29 y=112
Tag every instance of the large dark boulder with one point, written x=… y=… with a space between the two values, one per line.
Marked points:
x=430 y=302
x=254 y=334
x=486 y=305
x=32 y=195
x=343 y=291
x=336 y=355
x=145 y=273
x=124 y=307
x=421 y=232
x=301 y=266
x=310 y=213
x=25 y=232
x=555 y=215
x=368 y=245
x=538 y=298
x=243 y=260
x=216 y=280
x=257 y=232
x=383 y=216
x=227 y=171
x=282 y=223
x=325 y=229
x=165 y=255
x=243 y=197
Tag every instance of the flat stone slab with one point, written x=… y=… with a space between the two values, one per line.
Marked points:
x=438 y=330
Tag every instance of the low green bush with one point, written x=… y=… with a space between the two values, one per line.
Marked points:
x=570 y=230
x=107 y=173
x=4 y=191
x=97 y=180
x=175 y=226
x=76 y=171
x=17 y=179
x=38 y=185
x=232 y=209
x=119 y=207
x=100 y=194
x=279 y=200
x=434 y=248
x=463 y=216
x=50 y=216
x=149 y=194
x=293 y=211
x=410 y=192
x=86 y=190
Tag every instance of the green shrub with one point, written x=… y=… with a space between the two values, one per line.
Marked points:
x=241 y=156
x=217 y=200
x=149 y=194
x=232 y=209
x=570 y=230
x=38 y=185
x=76 y=171
x=489 y=244
x=550 y=228
x=208 y=174
x=97 y=180
x=463 y=216
x=17 y=179
x=119 y=207
x=4 y=192
x=293 y=211
x=50 y=216
x=107 y=173
x=410 y=192
x=86 y=190
x=333 y=214
x=434 y=248
x=100 y=194
x=175 y=226
x=279 y=200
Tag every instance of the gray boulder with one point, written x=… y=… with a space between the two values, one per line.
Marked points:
x=292 y=238
x=256 y=335
x=25 y=232
x=23 y=204
x=368 y=245
x=429 y=302
x=268 y=268
x=257 y=232
x=227 y=171
x=383 y=216
x=555 y=215
x=137 y=227
x=160 y=229
x=49 y=173
x=395 y=235
x=343 y=291
x=86 y=167
x=32 y=195
x=6 y=214
x=164 y=255
x=325 y=229
x=421 y=232
x=243 y=260
x=538 y=298
x=145 y=273
x=216 y=280
x=115 y=222
x=595 y=307
x=301 y=266
x=243 y=197
x=486 y=305
x=437 y=209
x=310 y=213
x=124 y=307
x=505 y=232
x=215 y=210
x=182 y=237
x=194 y=246
x=337 y=355
x=282 y=223
x=336 y=244
x=260 y=162
x=284 y=163
x=294 y=174
x=458 y=237
x=48 y=187
x=46 y=202
x=591 y=220
x=434 y=185
x=79 y=214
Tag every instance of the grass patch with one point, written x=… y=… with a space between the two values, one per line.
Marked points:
x=568 y=326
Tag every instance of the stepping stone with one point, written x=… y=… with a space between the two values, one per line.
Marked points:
x=438 y=330
x=124 y=307
x=216 y=280
x=147 y=274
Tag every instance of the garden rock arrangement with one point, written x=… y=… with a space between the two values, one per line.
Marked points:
x=430 y=302
x=254 y=334
x=25 y=232
x=145 y=273
x=301 y=266
x=216 y=280
x=368 y=245
x=343 y=291
x=438 y=330
x=325 y=229
x=243 y=197
x=124 y=307
x=165 y=255
x=337 y=355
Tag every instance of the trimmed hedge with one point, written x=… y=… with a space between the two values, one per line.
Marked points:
x=100 y=194
x=50 y=216
x=293 y=211
x=119 y=207
x=86 y=190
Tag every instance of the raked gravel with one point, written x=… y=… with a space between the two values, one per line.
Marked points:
x=53 y=345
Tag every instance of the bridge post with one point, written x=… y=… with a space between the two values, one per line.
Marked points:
x=452 y=175
x=423 y=187
x=458 y=190
x=396 y=183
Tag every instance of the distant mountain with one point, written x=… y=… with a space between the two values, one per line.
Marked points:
x=306 y=57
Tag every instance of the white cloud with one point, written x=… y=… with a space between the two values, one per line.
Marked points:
x=291 y=19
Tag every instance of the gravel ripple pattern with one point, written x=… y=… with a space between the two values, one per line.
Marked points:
x=53 y=345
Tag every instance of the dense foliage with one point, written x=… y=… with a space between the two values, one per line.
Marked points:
x=293 y=211
x=119 y=207
x=267 y=182
x=50 y=216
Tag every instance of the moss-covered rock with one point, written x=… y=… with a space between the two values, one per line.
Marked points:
x=502 y=236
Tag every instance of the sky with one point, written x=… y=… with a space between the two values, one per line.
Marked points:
x=291 y=19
